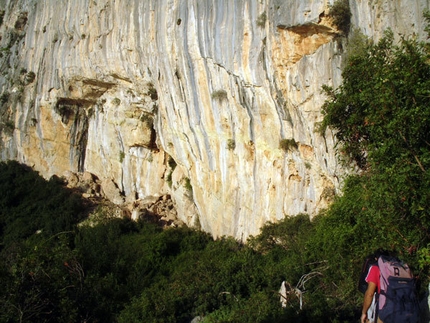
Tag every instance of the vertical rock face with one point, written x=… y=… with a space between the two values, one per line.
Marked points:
x=215 y=102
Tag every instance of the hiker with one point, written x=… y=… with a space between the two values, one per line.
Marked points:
x=390 y=296
x=372 y=281
x=368 y=313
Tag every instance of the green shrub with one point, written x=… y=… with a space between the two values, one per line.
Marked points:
x=261 y=20
x=188 y=186
x=116 y=101
x=219 y=95
x=288 y=144
x=231 y=144
x=121 y=156
x=152 y=92
x=147 y=119
x=379 y=113
x=169 y=179
x=172 y=163
x=357 y=46
x=30 y=203
x=2 y=12
x=341 y=14
x=29 y=77
x=10 y=125
x=4 y=98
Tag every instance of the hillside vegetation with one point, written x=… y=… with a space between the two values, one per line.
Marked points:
x=54 y=270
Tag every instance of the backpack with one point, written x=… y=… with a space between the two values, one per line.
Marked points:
x=368 y=262
x=398 y=302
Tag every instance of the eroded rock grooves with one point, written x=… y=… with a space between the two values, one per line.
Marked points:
x=194 y=100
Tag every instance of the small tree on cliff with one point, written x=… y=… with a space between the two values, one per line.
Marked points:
x=340 y=12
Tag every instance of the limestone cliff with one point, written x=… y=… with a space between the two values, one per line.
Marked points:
x=215 y=103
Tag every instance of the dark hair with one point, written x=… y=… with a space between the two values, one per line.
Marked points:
x=382 y=252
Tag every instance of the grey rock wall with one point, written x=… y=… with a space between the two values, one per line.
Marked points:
x=185 y=98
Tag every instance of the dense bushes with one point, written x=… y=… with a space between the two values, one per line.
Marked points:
x=122 y=271
x=28 y=204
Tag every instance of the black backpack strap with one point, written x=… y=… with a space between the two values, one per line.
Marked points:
x=377 y=306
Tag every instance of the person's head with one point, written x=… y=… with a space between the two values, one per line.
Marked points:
x=382 y=252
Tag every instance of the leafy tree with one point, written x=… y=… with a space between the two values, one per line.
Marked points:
x=341 y=15
x=380 y=113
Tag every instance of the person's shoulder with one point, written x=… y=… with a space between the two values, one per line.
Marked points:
x=374 y=268
x=373 y=274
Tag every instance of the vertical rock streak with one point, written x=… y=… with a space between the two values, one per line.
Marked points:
x=123 y=87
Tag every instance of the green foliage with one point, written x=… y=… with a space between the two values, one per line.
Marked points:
x=169 y=179
x=288 y=144
x=231 y=144
x=357 y=46
x=2 y=12
x=116 y=101
x=121 y=156
x=424 y=257
x=29 y=77
x=117 y=270
x=341 y=14
x=219 y=95
x=381 y=111
x=29 y=203
x=4 y=98
x=37 y=219
x=152 y=92
x=39 y=281
x=261 y=21
x=187 y=185
x=220 y=274
x=381 y=116
x=9 y=126
x=172 y=163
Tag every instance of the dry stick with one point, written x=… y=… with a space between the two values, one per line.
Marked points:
x=228 y=293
